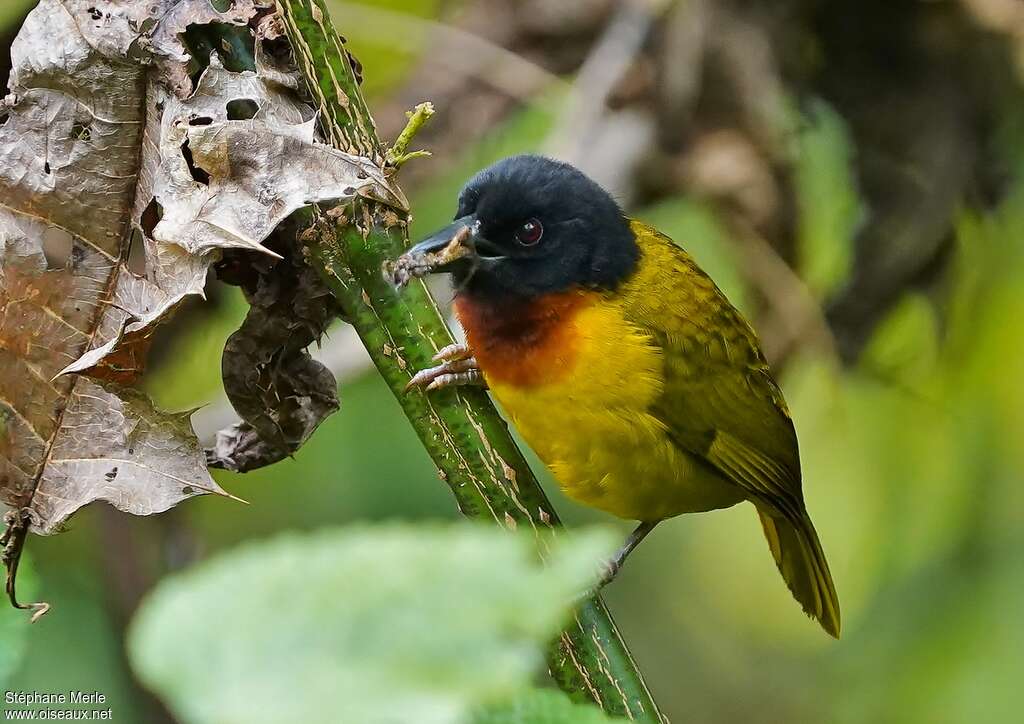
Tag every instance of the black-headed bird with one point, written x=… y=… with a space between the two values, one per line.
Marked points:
x=619 y=361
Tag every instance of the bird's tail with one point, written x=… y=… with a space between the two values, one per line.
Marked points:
x=797 y=552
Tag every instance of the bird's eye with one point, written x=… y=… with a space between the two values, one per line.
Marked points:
x=529 y=233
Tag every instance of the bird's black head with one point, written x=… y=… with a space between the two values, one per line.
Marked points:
x=530 y=226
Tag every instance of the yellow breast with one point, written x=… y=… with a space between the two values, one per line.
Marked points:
x=588 y=418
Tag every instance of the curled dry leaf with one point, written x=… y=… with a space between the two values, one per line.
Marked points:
x=281 y=393
x=105 y=144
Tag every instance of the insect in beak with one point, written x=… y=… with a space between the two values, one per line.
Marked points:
x=455 y=247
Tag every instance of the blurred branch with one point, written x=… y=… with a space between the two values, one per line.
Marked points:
x=1002 y=16
x=610 y=58
x=795 y=319
x=462 y=432
x=126 y=578
x=482 y=65
x=911 y=191
x=679 y=63
x=606 y=144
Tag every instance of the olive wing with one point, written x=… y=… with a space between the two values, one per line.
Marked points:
x=719 y=400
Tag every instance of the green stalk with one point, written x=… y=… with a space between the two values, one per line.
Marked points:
x=460 y=429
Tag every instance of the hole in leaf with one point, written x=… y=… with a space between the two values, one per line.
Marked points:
x=242 y=109
x=279 y=50
x=46 y=166
x=200 y=121
x=137 y=253
x=187 y=490
x=57 y=247
x=80 y=131
x=4 y=116
x=222 y=6
x=203 y=38
x=151 y=216
x=199 y=50
x=198 y=174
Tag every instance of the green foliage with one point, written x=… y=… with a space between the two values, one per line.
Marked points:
x=905 y=345
x=11 y=12
x=543 y=706
x=189 y=374
x=829 y=207
x=77 y=645
x=14 y=624
x=388 y=624
x=390 y=54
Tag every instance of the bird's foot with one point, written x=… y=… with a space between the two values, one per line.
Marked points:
x=607 y=570
x=458 y=368
x=611 y=567
x=453 y=352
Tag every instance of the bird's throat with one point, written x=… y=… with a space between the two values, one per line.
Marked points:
x=523 y=342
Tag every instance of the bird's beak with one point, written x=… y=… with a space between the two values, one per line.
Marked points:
x=456 y=245
x=446 y=246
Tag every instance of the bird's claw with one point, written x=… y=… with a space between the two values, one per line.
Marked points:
x=452 y=352
x=609 y=569
x=457 y=368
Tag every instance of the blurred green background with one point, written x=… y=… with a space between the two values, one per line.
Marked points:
x=853 y=177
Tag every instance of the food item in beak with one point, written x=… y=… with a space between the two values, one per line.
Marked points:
x=414 y=264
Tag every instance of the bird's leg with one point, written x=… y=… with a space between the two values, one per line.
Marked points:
x=614 y=565
x=457 y=368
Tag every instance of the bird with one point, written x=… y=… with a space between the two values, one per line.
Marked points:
x=620 y=362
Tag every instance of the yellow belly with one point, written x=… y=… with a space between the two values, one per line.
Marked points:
x=591 y=426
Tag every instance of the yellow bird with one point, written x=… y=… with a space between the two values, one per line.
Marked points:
x=620 y=362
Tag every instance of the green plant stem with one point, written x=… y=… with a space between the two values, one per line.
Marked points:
x=399 y=152
x=461 y=430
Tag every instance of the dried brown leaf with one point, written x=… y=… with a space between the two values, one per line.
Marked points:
x=113 y=445
x=222 y=184
x=104 y=143
x=69 y=157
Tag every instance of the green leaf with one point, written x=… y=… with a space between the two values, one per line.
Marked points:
x=905 y=345
x=387 y=36
x=829 y=205
x=385 y=624
x=14 y=624
x=543 y=706
x=12 y=11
